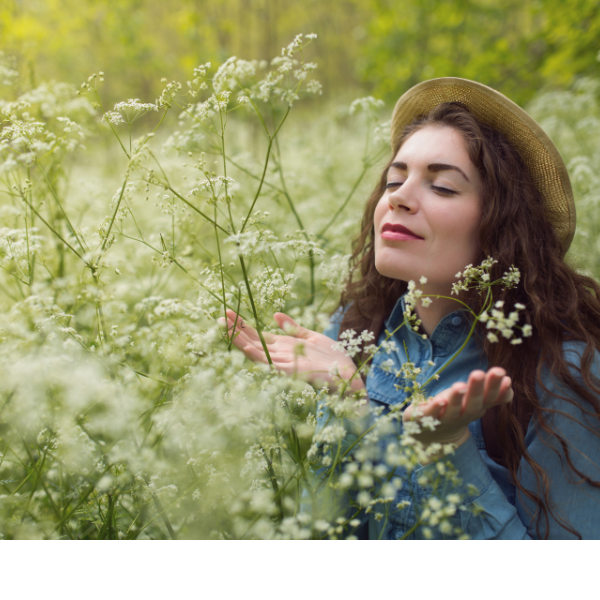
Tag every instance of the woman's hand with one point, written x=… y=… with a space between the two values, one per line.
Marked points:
x=461 y=404
x=302 y=352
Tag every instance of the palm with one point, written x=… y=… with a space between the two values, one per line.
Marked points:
x=303 y=352
x=462 y=404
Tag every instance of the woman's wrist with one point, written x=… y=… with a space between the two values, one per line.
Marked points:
x=456 y=441
x=354 y=388
x=348 y=380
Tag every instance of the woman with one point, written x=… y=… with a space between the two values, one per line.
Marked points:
x=472 y=176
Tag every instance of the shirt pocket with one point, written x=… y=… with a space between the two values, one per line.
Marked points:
x=401 y=520
x=382 y=381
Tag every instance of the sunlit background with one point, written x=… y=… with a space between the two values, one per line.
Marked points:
x=378 y=46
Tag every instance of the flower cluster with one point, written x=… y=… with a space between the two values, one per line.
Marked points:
x=215 y=187
x=239 y=74
x=505 y=325
x=351 y=343
x=128 y=112
x=335 y=272
x=368 y=104
x=412 y=296
x=479 y=277
x=122 y=395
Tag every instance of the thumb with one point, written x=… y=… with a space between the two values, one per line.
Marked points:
x=290 y=326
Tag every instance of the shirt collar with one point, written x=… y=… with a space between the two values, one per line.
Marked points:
x=448 y=334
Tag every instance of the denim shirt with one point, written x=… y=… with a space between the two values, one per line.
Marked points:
x=502 y=513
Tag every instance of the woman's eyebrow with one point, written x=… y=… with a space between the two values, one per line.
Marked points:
x=434 y=168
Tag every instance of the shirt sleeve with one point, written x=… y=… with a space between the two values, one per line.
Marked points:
x=485 y=512
x=574 y=502
x=333 y=329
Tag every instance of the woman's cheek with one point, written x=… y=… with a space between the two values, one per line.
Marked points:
x=380 y=211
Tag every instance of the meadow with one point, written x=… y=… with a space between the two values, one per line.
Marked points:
x=125 y=233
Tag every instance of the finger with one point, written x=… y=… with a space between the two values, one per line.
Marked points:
x=289 y=367
x=506 y=393
x=454 y=400
x=493 y=381
x=235 y=334
x=235 y=323
x=254 y=354
x=473 y=400
x=244 y=327
x=440 y=410
x=241 y=338
x=290 y=326
x=239 y=322
x=433 y=408
x=234 y=326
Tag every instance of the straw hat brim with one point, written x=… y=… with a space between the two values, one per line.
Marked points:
x=539 y=154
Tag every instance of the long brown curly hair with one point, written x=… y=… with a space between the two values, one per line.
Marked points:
x=561 y=304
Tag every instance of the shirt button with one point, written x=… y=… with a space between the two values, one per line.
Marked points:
x=456 y=320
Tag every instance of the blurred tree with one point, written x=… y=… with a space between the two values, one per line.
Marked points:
x=381 y=46
x=516 y=46
x=137 y=42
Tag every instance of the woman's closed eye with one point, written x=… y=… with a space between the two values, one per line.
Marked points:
x=392 y=184
x=439 y=189
x=443 y=190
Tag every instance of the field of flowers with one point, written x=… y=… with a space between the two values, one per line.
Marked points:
x=127 y=231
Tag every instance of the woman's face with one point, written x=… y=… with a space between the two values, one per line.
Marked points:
x=434 y=191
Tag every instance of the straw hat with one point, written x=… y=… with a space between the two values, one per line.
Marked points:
x=494 y=109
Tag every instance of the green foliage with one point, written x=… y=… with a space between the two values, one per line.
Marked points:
x=572 y=119
x=381 y=46
x=514 y=46
x=124 y=411
x=137 y=42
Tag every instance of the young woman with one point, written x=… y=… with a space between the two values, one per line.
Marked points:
x=472 y=176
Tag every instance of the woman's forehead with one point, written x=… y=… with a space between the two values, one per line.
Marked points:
x=434 y=143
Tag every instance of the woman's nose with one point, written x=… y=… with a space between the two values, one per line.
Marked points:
x=403 y=198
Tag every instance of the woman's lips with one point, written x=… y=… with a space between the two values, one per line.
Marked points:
x=398 y=233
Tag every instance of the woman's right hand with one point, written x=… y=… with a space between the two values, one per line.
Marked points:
x=302 y=352
x=461 y=404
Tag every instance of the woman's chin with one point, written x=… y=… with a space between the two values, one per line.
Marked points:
x=391 y=271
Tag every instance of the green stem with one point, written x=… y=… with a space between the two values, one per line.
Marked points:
x=51 y=188
x=55 y=232
x=180 y=266
x=262 y=179
x=471 y=331
x=110 y=124
x=345 y=202
x=256 y=319
x=48 y=494
x=264 y=173
x=163 y=514
x=221 y=275
x=113 y=218
x=311 y=258
x=211 y=221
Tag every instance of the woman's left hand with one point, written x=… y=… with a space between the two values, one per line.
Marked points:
x=302 y=352
x=460 y=405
